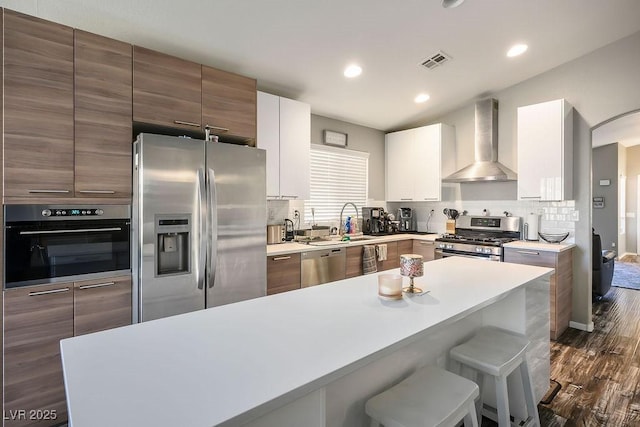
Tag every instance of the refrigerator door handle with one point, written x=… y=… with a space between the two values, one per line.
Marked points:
x=202 y=198
x=213 y=234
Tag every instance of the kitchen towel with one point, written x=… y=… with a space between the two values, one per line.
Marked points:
x=382 y=252
x=369 y=260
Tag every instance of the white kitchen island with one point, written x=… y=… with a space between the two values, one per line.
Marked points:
x=310 y=357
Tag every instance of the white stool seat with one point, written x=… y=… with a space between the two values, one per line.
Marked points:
x=430 y=397
x=498 y=353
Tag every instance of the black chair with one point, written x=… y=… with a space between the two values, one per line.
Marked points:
x=603 y=264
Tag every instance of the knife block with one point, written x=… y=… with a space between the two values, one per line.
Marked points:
x=451 y=226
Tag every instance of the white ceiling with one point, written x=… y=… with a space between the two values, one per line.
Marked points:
x=299 y=48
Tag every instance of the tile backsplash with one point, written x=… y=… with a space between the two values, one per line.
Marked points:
x=555 y=217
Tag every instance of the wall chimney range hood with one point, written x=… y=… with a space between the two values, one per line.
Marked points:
x=486 y=166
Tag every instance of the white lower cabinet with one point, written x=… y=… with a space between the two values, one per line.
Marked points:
x=417 y=160
x=545 y=151
x=284 y=131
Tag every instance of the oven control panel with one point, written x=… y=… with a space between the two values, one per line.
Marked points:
x=72 y=212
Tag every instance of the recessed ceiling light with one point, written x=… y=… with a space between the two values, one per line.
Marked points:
x=352 y=71
x=516 y=50
x=423 y=97
x=448 y=4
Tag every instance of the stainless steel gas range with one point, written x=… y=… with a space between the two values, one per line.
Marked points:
x=479 y=237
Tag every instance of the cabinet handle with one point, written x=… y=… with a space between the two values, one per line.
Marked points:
x=50 y=191
x=284 y=196
x=98 y=191
x=281 y=258
x=221 y=129
x=273 y=197
x=97 y=285
x=52 y=291
x=531 y=197
x=431 y=198
x=426 y=243
x=181 y=122
x=405 y=199
x=529 y=252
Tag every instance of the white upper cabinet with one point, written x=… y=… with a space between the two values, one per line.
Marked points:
x=545 y=151
x=417 y=160
x=284 y=131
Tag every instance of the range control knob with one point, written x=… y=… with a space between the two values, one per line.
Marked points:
x=46 y=212
x=450 y=246
x=442 y=245
x=99 y=211
x=479 y=249
x=487 y=250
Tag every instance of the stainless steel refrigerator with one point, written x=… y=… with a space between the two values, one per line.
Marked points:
x=199 y=225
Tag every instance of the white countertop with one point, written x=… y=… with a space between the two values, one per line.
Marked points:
x=211 y=366
x=539 y=246
x=294 y=247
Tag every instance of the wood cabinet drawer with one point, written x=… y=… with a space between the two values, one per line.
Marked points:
x=530 y=257
x=425 y=248
x=101 y=304
x=283 y=273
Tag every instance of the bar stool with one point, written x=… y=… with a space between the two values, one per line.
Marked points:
x=497 y=353
x=431 y=397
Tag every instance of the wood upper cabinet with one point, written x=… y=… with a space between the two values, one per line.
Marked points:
x=229 y=104
x=38 y=107
x=101 y=304
x=36 y=318
x=103 y=81
x=283 y=273
x=166 y=90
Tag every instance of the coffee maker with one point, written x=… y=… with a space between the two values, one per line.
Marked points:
x=406 y=219
x=373 y=220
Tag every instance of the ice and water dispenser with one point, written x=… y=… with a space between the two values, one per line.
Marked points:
x=173 y=236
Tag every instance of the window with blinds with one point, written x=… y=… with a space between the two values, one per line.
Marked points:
x=337 y=176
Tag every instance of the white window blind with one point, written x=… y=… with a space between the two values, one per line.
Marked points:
x=337 y=176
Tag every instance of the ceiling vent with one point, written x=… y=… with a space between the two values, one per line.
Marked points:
x=435 y=60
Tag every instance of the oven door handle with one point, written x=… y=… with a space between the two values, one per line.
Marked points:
x=448 y=254
x=78 y=230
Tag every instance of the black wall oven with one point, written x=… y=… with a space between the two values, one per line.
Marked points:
x=53 y=243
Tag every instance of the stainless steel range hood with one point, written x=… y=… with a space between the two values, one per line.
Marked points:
x=486 y=166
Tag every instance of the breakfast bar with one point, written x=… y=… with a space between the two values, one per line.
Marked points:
x=309 y=357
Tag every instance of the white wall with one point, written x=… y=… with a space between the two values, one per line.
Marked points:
x=600 y=85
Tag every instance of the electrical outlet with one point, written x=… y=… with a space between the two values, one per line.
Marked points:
x=272 y=214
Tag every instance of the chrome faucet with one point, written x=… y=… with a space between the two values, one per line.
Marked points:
x=341 y=229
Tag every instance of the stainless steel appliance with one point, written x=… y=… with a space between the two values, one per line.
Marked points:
x=373 y=221
x=288 y=230
x=199 y=225
x=318 y=267
x=56 y=243
x=407 y=220
x=479 y=237
x=275 y=234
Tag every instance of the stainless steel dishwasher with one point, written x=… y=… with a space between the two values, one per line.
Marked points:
x=323 y=266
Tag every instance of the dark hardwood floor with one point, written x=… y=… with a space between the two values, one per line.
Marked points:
x=599 y=372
